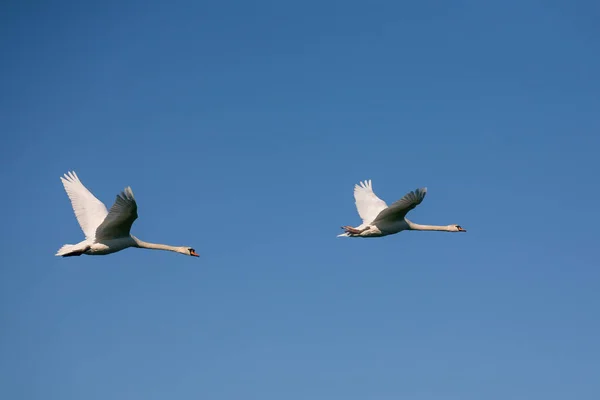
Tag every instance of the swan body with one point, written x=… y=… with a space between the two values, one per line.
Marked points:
x=379 y=219
x=106 y=231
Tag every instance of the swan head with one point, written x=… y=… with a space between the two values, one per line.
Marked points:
x=456 y=228
x=188 y=251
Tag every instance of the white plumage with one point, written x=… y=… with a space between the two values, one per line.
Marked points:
x=379 y=219
x=106 y=231
x=367 y=202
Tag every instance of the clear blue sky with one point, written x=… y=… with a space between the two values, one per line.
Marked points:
x=242 y=127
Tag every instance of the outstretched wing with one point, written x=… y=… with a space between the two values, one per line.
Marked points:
x=400 y=208
x=89 y=211
x=367 y=202
x=120 y=217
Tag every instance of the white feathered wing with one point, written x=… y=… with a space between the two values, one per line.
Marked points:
x=95 y=221
x=367 y=203
x=89 y=211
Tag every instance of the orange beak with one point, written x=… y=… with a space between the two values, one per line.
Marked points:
x=462 y=230
x=193 y=253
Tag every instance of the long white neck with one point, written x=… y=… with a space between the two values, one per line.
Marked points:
x=155 y=246
x=419 y=227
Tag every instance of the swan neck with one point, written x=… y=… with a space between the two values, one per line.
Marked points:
x=419 y=227
x=155 y=246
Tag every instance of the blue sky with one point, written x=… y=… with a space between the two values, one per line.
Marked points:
x=241 y=128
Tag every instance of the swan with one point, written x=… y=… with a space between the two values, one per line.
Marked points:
x=380 y=220
x=105 y=231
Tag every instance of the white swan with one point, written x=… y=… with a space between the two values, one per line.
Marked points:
x=105 y=231
x=381 y=220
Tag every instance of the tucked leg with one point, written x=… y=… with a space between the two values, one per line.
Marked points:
x=354 y=231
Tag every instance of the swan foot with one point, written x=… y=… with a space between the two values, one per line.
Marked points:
x=353 y=231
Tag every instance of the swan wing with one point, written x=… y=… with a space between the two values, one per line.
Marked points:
x=368 y=204
x=89 y=211
x=120 y=217
x=400 y=208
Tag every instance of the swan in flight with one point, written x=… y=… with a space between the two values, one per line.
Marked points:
x=105 y=231
x=381 y=220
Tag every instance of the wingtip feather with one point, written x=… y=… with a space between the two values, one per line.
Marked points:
x=366 y=184
x=128 y=193
x=70 y=177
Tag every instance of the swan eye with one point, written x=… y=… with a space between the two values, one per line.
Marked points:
x=192 y=251
x=458 y=227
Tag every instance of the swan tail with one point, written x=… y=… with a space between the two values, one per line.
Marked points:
x=70 y=250
x=344 y=235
